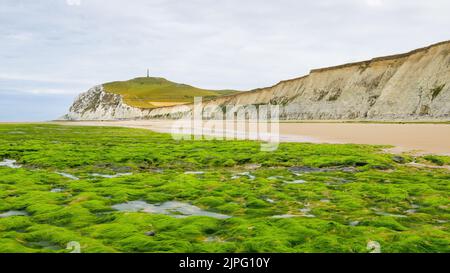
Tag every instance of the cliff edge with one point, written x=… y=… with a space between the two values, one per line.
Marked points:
x=413 y=86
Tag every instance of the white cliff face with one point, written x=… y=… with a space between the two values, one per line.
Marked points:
x=96 y=104
x=411 y=86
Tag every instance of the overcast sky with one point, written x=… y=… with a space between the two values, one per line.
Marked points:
x=52 y=50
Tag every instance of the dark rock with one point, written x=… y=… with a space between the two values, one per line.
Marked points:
x=399 y=159
x=150 y=233
x=344 y=169
x=305 y=169
x=381 y=167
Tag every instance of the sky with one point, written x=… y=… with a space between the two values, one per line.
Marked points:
x=53 y=50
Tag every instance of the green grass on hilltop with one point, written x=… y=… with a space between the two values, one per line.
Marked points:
x=157 y=92
x=356 y=194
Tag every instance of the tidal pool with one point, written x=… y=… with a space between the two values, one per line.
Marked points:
x=299 y=181
x=66 y=175
x=275 y=177
x=172 y=208
x=382 y=213
x=13 y=213
x=213 y=239
x=10 y=163
x=110 y=175
x=306 y=213
x=282 y=216
x=194 y=172
x=305 y=169
x=43 y=245
x=247 y=174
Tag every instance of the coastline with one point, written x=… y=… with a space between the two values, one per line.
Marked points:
x=417 y=138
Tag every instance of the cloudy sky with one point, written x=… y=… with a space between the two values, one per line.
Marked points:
x=52 y=50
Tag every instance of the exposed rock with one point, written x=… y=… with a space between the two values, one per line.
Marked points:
x=398 y=159
x=96 y=104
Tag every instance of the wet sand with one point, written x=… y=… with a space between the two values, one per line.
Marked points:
x=409 y=137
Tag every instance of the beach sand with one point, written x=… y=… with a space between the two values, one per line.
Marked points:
x=408 y=137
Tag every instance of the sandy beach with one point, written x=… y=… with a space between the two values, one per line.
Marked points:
x=409 y=137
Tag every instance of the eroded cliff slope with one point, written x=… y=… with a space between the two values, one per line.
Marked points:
x=410 y=86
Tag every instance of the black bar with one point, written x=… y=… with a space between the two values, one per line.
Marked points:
x=221 y=262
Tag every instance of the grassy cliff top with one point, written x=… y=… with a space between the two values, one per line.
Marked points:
x=155 y=92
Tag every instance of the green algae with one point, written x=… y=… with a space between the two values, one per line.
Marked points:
x=361 y=195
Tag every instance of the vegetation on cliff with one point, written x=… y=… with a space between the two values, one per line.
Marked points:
x=158 y=92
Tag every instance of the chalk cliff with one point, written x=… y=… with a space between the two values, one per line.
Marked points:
x=410 y=86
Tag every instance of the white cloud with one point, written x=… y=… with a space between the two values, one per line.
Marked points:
x=375 y=3
x=211 y=44
x=47 y=91
x=40 y=78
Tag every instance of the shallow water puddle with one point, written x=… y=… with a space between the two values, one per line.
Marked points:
x=247 y=174
x=66 y=175
x=110 y=175
x=391 y=214
x=275 y=177
x=252 y=166
x=420 y=165
x=413 y=209
x=13 y=213
x=213 y=239
x=299 y=181
x=194 y=172
x=282 y=216
x=305 y=169
x=306 y=213
x=10 y=163
x=157 y=170
x=173 y=208
x=383 y=213
x=43 y=245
